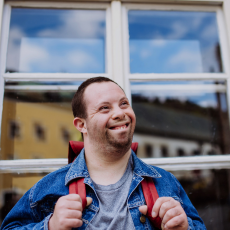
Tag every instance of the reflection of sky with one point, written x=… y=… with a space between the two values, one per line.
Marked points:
x=201 y=98
x=156 y=56
x=46 y=35
x=181 y=82
x=61 y=55
x=194 y=34
x=33 y=83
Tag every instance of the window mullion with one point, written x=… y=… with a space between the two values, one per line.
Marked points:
x=117 y=59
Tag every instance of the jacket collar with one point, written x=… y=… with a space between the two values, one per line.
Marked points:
x=79 y=169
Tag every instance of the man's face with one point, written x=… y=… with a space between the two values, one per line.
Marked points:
x=110 y=118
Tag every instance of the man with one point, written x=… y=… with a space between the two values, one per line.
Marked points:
x=112 y=175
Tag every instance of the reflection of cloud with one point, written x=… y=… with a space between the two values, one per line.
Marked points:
x=189 y=59
x=209 y=32
x=82 y=59
x=78 y=23
x=60 y=55
x=14 y=48
x=67 y=24
x=208 y=104
x=179 y=30
x=145 y=53
x=31 y=55
x=165 y=56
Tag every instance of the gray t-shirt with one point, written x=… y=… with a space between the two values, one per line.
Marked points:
x=114 y=212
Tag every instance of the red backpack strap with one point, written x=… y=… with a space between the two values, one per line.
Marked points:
x=75 y=148
x=151 y=195
x=78 y=187
x=134 y=147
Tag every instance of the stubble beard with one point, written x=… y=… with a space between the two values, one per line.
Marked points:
x=111 y=146
x=120 y=146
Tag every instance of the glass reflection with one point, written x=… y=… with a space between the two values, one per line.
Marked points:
x=209 y=192
x=173 y=42
x=56 y=41
x=37 y=123
x=178 y=119
x=12 y=187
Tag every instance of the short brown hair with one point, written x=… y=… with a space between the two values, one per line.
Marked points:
x=78 y=104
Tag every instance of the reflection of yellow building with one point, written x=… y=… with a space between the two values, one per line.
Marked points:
x=49 y=141
x=55 y=121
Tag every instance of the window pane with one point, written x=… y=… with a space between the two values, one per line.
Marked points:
x=56 y=41
x=181 y=118
x=13 y=187
x=209 y=191
x=173 y=42
x=37 y=122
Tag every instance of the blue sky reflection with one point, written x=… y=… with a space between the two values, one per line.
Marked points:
x=48 y=40
x=173 y=42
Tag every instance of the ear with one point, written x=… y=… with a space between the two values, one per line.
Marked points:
x=80 y=124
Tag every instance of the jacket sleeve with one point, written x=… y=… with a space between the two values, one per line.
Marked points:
x=194 y=220
x=24 y=217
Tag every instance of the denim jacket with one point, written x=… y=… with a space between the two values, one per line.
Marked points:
x=35 y=208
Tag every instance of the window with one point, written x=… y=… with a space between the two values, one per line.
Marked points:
x=65 y=41
x=171 y=59
x=39 y=132
x=14 y=130
x=66 y=136
x=148 y=150
x=177 y=75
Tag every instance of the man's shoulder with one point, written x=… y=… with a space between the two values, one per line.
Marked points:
x=52 y=184
x=151 y=169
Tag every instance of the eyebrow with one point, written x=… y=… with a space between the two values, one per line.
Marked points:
x=124 y=98
x=108 y=103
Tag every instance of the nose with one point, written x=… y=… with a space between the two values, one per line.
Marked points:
x=118 y=114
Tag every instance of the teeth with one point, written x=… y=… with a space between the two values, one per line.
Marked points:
x=121 y=127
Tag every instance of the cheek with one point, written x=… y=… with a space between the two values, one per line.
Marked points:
x=132 y=116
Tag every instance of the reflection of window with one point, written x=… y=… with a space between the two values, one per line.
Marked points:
x=196 y=152
x=39 y=132
x=164 y=151
x=148 y=150
x=65 y=134
x=14 y=130
x=180 y=152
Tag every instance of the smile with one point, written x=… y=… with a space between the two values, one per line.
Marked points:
x=121 y=127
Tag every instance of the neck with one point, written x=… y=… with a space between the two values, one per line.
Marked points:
x=105 y=165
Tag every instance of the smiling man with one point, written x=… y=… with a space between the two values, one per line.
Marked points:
x=112 y=174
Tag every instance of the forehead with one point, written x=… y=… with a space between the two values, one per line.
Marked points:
x=103 y=92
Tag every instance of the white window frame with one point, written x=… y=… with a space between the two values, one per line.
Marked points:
x=187 y=163
x=118 y=70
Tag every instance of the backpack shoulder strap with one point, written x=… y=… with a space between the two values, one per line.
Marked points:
x=75 y=148
x=151 y=195
x=77 y=186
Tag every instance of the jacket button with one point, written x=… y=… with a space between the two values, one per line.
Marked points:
x=142 y=219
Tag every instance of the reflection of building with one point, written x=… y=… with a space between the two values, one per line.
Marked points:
x=32 y=130
x=175 y=128
x=36 y=130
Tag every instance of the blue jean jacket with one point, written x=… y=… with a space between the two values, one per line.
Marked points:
x=35 y=208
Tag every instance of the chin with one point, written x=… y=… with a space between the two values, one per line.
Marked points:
x=121 y=145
